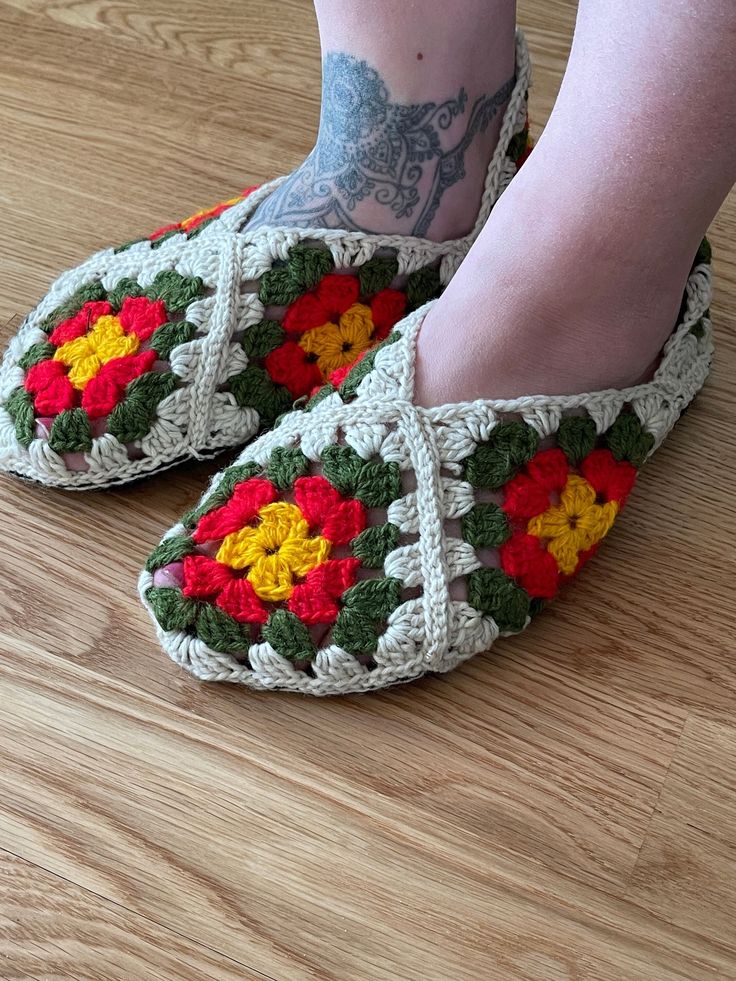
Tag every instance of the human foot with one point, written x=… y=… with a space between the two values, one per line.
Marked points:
x=368 y=540
x=576 y=280
x=191 y=341
x=562 y=293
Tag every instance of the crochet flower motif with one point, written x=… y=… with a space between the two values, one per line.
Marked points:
x=103 y=366
x=274 y=551
x=96 y=357
x=318 y=323
x=328 y=328
x=560 y=516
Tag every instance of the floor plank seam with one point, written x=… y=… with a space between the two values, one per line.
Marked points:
x=136 y=914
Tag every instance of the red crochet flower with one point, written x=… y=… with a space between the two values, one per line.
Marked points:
x=98 y=353
x=329 y=329
x=273 y=551
x=560 y=516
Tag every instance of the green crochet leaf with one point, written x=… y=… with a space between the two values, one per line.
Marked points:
x=628 y=440
x=198 y=229
x=158 y=242
x=377 y=274
x=342 y=466
x=375 y=599
x=374 y=544
x=168 y=336
x=494 y=593
x=127 y=245
x=133 y=418
x=70 y=432
x=356 y=634
x=423 y=285
x=262 y=338
x=19 y=406
x=175 y=290
x=170 y=550
x=494 y=463
x=357 y=373
x=366 y=606
x=576 y=437
x=308 y=265
x=90 y=291
x=378 y=484
x=220 y=632
x=319 y=396
x=285 y=465
x=288 y=636
x=236 y=475
x=36 y=353
x=172 y=609
x=278 y=288
x=485 y=526
x=253 y=388
x=122 y=290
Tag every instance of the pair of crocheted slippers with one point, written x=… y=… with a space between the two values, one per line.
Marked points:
x=322 y=560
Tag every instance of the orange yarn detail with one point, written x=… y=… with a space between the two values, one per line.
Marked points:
x=574 y=525
x=200 y=217
x=335 y=345
x=560 y=516
x=328 y=329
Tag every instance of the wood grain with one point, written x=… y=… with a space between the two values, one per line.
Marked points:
x=563 y=808
x=50 y=928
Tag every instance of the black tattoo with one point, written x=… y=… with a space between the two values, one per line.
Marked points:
x=369 y=146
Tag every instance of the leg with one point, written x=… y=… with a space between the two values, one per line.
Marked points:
x=411 y=111
x=576 y=280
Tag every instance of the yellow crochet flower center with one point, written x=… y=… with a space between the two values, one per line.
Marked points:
x=277 y=551
x=86 y=355
x=574 y=525
x=335 y=345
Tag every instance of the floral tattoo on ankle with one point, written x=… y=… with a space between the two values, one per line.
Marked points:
x=401 y=156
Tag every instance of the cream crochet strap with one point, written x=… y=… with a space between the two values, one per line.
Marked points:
x=213 y=293
x=425 y=470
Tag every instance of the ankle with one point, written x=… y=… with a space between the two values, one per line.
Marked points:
x=414 y=167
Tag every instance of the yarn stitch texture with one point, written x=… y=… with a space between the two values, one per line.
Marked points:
x=90 y=396
x=322 y=560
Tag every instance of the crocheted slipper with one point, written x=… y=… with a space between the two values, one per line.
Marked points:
x=323 y=560
x=190 y=341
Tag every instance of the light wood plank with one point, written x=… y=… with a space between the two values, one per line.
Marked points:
x=685 y=870
x=50 y=928
x=293 y=871
x=561 y=808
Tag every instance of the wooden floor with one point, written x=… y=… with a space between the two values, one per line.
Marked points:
x=564 y=808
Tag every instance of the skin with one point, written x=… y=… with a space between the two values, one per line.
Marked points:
x=407 y=127
x=584 y=259
x=575 y=282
